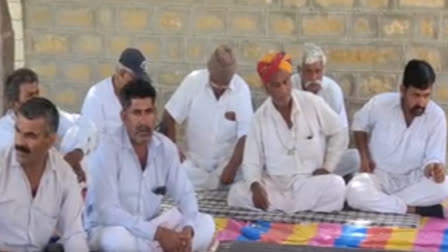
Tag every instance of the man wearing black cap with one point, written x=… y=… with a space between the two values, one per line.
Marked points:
x=101 y=104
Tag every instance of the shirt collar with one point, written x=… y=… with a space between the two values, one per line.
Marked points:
x=231 y=85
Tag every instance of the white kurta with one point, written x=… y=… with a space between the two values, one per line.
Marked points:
x=283 y=158
x=400 y=154
x=102 y=107
x=74 y=132
x=332 y=93
x=26 y=223
x=210 y=136
x=126 y=198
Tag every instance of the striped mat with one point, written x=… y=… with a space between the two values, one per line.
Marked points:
x=431 y=236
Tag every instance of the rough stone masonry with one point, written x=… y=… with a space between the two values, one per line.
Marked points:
x=74 y=43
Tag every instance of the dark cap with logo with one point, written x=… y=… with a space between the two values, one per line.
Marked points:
x=134 y=60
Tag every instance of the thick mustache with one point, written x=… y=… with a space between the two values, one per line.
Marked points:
x=143 y=128
x=317 y=82
x=418 y=107
x=22 y=149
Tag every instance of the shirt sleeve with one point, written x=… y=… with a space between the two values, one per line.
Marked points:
x=246 y=112
x=337 y=103
x=363 y=120
x=77 y=132
x=179 y=103
x=92 y=110
x=336 y=133
x=73 y=238
x=180 y=188
x=253 y=158
x=105 y=199
x=435 y=149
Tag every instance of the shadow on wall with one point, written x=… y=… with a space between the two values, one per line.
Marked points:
x=6 y=46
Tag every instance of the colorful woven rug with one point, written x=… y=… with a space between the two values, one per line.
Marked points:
x=431 y=236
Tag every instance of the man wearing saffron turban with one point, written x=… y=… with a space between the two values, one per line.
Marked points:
x=294 y=143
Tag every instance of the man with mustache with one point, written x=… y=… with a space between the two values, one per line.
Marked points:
x=132 y=170
x=401 y=138
x=38 y=191
x=215 y=104
x=77 y=135
x=294 y=143
x=312 y=79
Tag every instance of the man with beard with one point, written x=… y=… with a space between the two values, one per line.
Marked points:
x=39 y=193
x=312 y=79
x=401 y=138
x=133 y=169
x=101 y=104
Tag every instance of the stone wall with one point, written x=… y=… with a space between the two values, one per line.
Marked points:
x=15 y=10
x=75 y=43
x=6 y=46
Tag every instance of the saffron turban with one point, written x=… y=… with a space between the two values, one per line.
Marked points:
x=272 y=63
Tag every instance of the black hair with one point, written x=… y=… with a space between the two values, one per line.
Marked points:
x=136 y=89
x=418 y=74
x=39 y=107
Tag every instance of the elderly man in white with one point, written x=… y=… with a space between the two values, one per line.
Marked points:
x=39 y=193
x=101 y=104
x=402 y=141
x=216 y=105
x=133 y=169
x=312 y=79
x=295 y=142
x=77 y=136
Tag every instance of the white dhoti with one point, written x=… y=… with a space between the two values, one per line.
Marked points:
x=322 y=193
x=203 y=179
x=350 y=163
x=117 y=238
x=369 y=193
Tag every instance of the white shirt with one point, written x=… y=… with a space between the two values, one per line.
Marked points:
x=331 y=92
x=103 y=107
x=74 y=132
x=398 y=150
x=26 y=223
x=316 y=140
x=210 y=136
x=123 y=194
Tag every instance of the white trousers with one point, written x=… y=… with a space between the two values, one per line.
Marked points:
x=366 y=192
x=322 y=193
x=349 y=164
x=202 y=179
x=117 y=238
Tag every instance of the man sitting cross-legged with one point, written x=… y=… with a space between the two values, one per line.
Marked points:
x=294 y=143
x=402 y=141
x=132 y=170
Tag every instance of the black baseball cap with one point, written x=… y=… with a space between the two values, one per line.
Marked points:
x=134 y=60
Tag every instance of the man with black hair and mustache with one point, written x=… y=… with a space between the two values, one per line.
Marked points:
x=401 y=138
x=132 y=171
x=39 y=192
